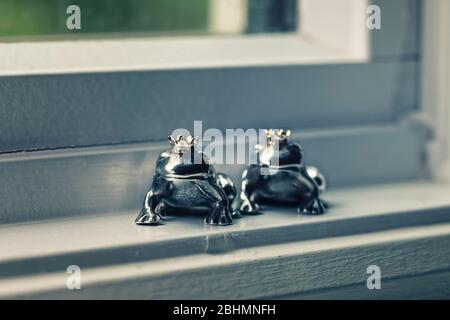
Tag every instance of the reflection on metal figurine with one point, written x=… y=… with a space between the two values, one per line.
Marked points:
x=281 y=177
x=182 y=185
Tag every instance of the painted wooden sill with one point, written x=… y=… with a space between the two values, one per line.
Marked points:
x=403 y=228
x=143 y=54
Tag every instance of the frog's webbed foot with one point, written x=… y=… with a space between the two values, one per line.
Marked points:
x=219 y=215
x=147 y=217
x=236 y=214
x=316 y=206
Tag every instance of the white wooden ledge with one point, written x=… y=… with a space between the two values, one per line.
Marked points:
x=403 y=228
x=140 y=54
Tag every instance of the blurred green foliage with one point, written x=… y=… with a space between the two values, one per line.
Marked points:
x=48 y=17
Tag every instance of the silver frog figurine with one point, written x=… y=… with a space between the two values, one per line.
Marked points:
x=185 y=182
x=287 y=181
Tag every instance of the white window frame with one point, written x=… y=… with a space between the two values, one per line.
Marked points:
x=436 y=84
x=319 y=42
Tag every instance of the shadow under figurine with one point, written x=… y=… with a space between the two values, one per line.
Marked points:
x=281 y=177
x=185 y=182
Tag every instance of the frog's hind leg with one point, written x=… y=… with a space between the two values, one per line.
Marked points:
x=248 y=204
x=220 y=213
x=227 y=185
x=230 y=191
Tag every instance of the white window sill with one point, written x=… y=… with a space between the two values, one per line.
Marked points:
x=402 y=227
x=60 y=57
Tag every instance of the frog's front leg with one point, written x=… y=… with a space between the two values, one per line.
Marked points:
x=154 y=207
x=312 y=204
x=248 y=197
x=220 y=214
x=220 y=209
x=151 y=211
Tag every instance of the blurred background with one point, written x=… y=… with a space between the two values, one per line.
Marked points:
x=38 y=19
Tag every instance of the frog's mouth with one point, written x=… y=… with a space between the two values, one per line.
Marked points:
x=193 y=176
x=273 y=169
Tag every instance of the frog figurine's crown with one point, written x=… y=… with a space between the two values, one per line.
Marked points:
x=182 y=143
x=276 y=134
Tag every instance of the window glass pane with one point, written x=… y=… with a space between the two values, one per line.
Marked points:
x=25 y=19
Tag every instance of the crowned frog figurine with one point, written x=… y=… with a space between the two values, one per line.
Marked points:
x=185 y=182
x=281 y=177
